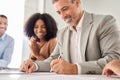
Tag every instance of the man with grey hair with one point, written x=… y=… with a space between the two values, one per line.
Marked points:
x=85 y=46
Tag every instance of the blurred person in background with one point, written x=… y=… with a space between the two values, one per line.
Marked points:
x=6 y=43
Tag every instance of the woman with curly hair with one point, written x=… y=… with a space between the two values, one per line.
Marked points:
x=41 y=29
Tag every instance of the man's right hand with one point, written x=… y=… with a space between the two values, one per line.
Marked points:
x=27 y=66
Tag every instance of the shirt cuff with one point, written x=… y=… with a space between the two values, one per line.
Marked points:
x=79 y=68
x=36 y=66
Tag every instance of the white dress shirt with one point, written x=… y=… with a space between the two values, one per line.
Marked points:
x=75 y=51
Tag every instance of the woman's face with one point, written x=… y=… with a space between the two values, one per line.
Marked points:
x=40 y=29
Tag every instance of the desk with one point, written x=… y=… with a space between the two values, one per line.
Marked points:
x=16 y=75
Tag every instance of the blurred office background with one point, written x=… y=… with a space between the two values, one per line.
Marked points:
x=18 y=11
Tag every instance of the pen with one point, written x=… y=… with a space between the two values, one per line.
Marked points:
x=58 y=58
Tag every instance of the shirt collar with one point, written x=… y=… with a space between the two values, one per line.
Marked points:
x=2 y=37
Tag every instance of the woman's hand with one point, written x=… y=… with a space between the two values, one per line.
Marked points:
x=34 y=46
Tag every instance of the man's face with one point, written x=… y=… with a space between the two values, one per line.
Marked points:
x=3 y=25
x=68 y=11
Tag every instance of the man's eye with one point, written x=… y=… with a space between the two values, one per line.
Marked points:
x=64 y=8
x=58 y=12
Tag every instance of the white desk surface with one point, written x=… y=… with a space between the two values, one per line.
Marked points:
x=16 y=75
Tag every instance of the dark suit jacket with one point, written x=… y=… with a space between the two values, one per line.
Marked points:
x=100 y=43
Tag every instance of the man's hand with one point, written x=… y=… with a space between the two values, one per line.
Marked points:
x=60 y=66
x=28 y=66
x=112 y=67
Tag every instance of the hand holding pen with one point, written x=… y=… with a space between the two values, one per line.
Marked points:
x=58 y=59
x=60 y=66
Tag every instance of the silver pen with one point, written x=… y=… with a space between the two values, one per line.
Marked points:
x=57 y=58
